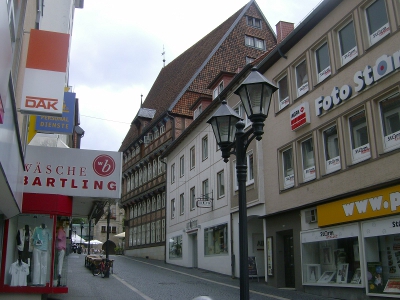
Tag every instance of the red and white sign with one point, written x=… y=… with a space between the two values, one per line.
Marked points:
x=73 y=172
x=46 y=66
x=300 y=116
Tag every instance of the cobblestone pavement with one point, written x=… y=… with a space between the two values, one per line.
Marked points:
x=137 y=278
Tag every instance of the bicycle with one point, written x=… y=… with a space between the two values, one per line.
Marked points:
x=103 y=268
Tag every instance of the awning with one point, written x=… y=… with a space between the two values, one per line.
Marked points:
x=120 y=235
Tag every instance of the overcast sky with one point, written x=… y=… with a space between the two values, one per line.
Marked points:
x=116 y=53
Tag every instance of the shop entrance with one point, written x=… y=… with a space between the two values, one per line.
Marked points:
x=193 y=239
x=288 y=257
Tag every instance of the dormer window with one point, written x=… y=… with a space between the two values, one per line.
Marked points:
x=197 y=112
x=254 y=22
x=218 y=90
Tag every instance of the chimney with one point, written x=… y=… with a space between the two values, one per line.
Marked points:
x=283 y=29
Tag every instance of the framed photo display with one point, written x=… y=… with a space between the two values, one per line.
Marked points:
x=326 y=277
x=342 y=272
x=313 y=272
x=356 y=277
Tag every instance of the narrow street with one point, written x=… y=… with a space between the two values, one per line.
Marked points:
x=137 y=278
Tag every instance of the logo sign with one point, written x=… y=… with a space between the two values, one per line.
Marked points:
x=370 y=205
x=300 y=116
x=331 y=234
x=73 y=172
x=384 y=65
x=63 y=124
x=44 y=79
x=204 y=203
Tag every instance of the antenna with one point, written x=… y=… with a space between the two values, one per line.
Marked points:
x=163 y=54
x=141 y=100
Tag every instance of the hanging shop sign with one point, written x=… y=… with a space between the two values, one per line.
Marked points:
x=370 y=205
x=73 y=172
x=300 y=116
x=63 y=124
x=46 y=66
x=384 y=65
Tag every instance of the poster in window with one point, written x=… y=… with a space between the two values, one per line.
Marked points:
x=327 y=257
x=374 y=276
x=269 y=256
x=252 y=266
x=343 y=270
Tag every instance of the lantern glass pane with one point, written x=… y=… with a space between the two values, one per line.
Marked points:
x=255 y=98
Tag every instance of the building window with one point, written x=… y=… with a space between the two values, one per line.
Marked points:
x=322 y=62
x=103 y=229
x=153 y=204
x=163 y=199
x=192 y=198
x=143 y=242
x=172 y=173
x=158 y=231
x=139 y=235
x=250 y=168
x=136 y=179
x=113 y=229
x=153 y=232
x=134 y=237
x=347 y=43
x=204 y=189
x=242 y=113
x=140 y=177
x=218 y=90
x=360 y=148
x=139 y=211
x=197 y=112
x=172 y=208
x=216 y=240
x=307 y=153
x=144 y=174
x=131 y=212
x=204 y=147
x=135 y=211
x=220 y=184
x=251 y=21
x=301 y=78
x=161 y=166
x=128 y=184
x=288 y=172
x=192 y=157
x=175 y=247
x=162 y=129
x=252 y=41
x=144 y=207
x=156 y=133
x=154 y=167
x=331 y=147
x=283 y=93
x=148 y=233
x=150 y=169
x=163 y=230
x=148 y=205
x=390 y=116
x=182 y=166
x=182 y=204
x=377 y=21
x=158 y=201
x=132 y=182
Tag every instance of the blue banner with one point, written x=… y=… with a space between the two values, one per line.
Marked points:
x=65 y=123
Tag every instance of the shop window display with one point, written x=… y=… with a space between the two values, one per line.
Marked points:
x=216 y=240
x=330 y=256
x=175 y=247
x=382 y=256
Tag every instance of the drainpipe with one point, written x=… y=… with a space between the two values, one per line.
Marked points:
x=232 y=252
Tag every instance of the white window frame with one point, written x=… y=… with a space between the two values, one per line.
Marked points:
x=204 y=147
x=150 y=171
x=173 y=208
x=192 y=198
x=153 y=204
x=163 y=200
x=205 y=188
x=378 y=33
x=182 y=166
x=303 y=86
x=163 y=230
x=148 y=205
x=173 y=173
x=239 y=109
x=162 y=129
x=155 y=174
x=391 y=140
x=322 y=74
x=359 y=152
x=158 y=201
x=192 y=157
x=251 y=41
x=283 y=101
x=220 y=184
x=143 y=242
x=135 y=211
x=309 y=170
x=352 y=52
x=288 y=168
x=140 y=177
x=182 y=203
x=148 y=233
x=153 y=232
x=332 y=164
x=249 y=179
x=136 y=179
x=252 y=21
x=160 y=165
x=144 y=174
x=139 y=211
x=158 y=231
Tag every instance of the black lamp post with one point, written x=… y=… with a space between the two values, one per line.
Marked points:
x=255 y=94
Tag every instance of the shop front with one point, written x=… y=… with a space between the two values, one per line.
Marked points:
x=355 y=251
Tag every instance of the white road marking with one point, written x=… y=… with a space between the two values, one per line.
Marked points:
x=194 y=276
x=132 y=288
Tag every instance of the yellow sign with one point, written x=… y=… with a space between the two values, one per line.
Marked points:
x=370 y=205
